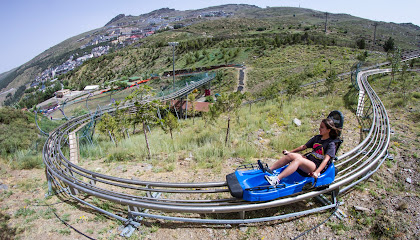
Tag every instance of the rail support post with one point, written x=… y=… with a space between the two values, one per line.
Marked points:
x=129 y=227
x=361 y=103
x=134 y=221
x=73 y=191
x=339 y=214
x=50 y=191
x=242 y=215
x=93 y=180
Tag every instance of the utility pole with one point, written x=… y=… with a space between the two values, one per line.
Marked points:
x=326 y=20
x=173 y=44
x=374 y=33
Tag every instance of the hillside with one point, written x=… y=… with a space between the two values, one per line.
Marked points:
x=224 y=26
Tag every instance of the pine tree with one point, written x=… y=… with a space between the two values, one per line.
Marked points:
x=170 y=123
x=389 y=45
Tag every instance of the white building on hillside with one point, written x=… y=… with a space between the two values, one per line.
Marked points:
x=91 y=88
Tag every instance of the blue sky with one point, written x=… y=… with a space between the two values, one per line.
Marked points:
x=31 y=27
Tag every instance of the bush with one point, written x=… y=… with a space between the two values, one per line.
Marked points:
x=384 y=227
x=416 y=95
x=30 y=162
x=361 y=44
x=351 y=99
x=118 y=156
x=18 y=135
x=6 y=231
x=24 y=212
x=389 y=45
x=293 y=86
x=25 y=159
x=330 y=82
x=209 y=99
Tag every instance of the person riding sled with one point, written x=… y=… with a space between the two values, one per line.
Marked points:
x=323 y=151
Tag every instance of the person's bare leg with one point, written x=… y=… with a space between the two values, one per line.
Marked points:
x=300 y=162
x=283 y=161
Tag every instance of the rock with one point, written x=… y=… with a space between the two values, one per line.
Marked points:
x=402 y=206
x=3 y=187
x=297 y=122
x=243 y=229
x=361 y=209
x=189 y=158
x=147 y=167
x=408 y=180
x=210 y=232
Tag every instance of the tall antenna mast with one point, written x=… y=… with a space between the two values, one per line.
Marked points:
x=375 y=24
x=326 y=20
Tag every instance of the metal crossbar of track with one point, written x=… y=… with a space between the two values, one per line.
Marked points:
x=353 y=166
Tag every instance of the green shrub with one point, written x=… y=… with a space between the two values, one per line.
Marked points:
x=65 y=231
x=399 y=102
x=209 y=99
x=30 y=162
x=24 y=212
x=19 y=132
x=5 y=230
x=5 y=194
x=118 y=156
x=26 y=160
x=338 y=228
x=384 y=227
x=16 y=136
x=416 y=95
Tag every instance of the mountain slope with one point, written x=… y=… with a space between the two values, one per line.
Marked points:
x=232 y=21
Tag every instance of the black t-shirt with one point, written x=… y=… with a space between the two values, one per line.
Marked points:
x=318 y=153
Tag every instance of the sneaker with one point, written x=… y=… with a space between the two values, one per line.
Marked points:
x=273 y=180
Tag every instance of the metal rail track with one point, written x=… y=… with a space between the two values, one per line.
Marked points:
x=353 y=166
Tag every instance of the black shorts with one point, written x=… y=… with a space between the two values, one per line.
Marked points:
x=314 y=160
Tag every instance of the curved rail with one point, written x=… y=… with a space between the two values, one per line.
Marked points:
x=353 y=166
